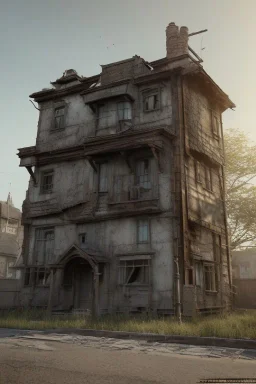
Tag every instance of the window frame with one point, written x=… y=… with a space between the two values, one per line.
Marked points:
x=58 y=107
x=149 y=174
x=118 y=116
x=216 y=131
x=130 y=263
x=148 y=241
x=79 y=236
x=43 y=241
x=213 y=274
x=42 y=184
x=146 y=94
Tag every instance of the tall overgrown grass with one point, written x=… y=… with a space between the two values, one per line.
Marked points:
x=234 y=325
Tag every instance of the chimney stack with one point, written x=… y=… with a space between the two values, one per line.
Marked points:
x=176 y=41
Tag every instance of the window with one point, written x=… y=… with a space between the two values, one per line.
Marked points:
x=44 y=245
x=199 y=274
x=198 y=172
x=82 y=239
x=143 y=231
x=151 y=100
x=207 y=178
x=103 y=178
x=124 y=111
x=38 y=276
x=106 y=116
x=47 y=182
x=10 y=273
x=210 y=278
x=217 y=247
x=142 y=174
x=134 y=272
x=216 y=126
x=59 y=115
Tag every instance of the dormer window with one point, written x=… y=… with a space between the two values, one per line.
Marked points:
x=59 y=114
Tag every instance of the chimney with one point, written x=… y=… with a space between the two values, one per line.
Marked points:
x=176 y=41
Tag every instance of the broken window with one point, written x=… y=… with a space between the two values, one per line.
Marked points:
x=47 y=182
x=124 y=111
x=143 y=174
x=143 y=231
x=210 y=277
x=134 y=272
x=151 y=100
x=42 y=276
x=82 y=240
x=44 y=245
x=103 y=177
x=59 y=118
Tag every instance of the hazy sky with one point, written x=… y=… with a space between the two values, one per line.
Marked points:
x=40 y=39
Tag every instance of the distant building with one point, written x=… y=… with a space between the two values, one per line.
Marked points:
x=127 y=189
x=11 y=238
x=244 y=277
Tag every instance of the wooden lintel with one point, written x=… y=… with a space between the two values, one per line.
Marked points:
x=157 y=157
x=92 y=163
x=29 y=169
x=126 y=158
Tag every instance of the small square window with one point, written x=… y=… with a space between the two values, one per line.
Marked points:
x=143 y=231
x=82 y=239
x=59 y=115
x=47 y=182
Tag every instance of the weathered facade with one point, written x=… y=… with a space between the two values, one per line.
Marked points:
x=127 y=189
x=11 y=237
x=244 y=277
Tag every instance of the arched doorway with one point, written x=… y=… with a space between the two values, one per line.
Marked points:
x=78 y=281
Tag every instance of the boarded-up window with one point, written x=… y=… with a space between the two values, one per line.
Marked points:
x=210 y=282
x=47 y=182
x=59 y=115
x=44 y=245
x=103 y=177
x=132 y=272
x=143 y=174
x=124 y=111
x=143 y=231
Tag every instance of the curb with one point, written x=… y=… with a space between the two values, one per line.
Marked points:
x=155 y=338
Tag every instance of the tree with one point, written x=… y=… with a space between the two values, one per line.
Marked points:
x=241 y=190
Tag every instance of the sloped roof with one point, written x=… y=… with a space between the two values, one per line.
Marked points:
x=8 y=244
x=14 y=213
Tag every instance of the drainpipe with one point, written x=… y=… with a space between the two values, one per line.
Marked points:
x=178 y=302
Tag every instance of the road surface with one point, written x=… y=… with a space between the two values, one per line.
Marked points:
x=36 y=358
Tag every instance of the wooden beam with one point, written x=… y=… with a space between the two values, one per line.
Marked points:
x=197 y=33
x=29 y=169
x=195 y=54
x=92 y=164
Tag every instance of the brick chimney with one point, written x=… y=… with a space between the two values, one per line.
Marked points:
x=176 y=41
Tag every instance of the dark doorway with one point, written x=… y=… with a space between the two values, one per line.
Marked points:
x=78 y=278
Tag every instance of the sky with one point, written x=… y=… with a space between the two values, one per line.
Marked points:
x=40 y=39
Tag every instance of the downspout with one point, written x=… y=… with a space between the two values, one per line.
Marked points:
x=178 y=301
x=225 y=211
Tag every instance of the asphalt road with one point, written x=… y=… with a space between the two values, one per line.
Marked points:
x=40 y=359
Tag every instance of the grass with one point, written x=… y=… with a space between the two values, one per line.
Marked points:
x=234 y=325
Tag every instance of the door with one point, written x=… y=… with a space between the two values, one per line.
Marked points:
x=83 y=288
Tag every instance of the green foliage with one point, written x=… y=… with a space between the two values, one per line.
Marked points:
x=241 y=193
x=233 y=325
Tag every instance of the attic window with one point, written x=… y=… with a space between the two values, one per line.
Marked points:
x=59 y=114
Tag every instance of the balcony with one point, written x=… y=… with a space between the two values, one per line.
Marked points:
x=131 y=193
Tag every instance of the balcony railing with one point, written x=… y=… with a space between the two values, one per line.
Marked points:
x=125 y=188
